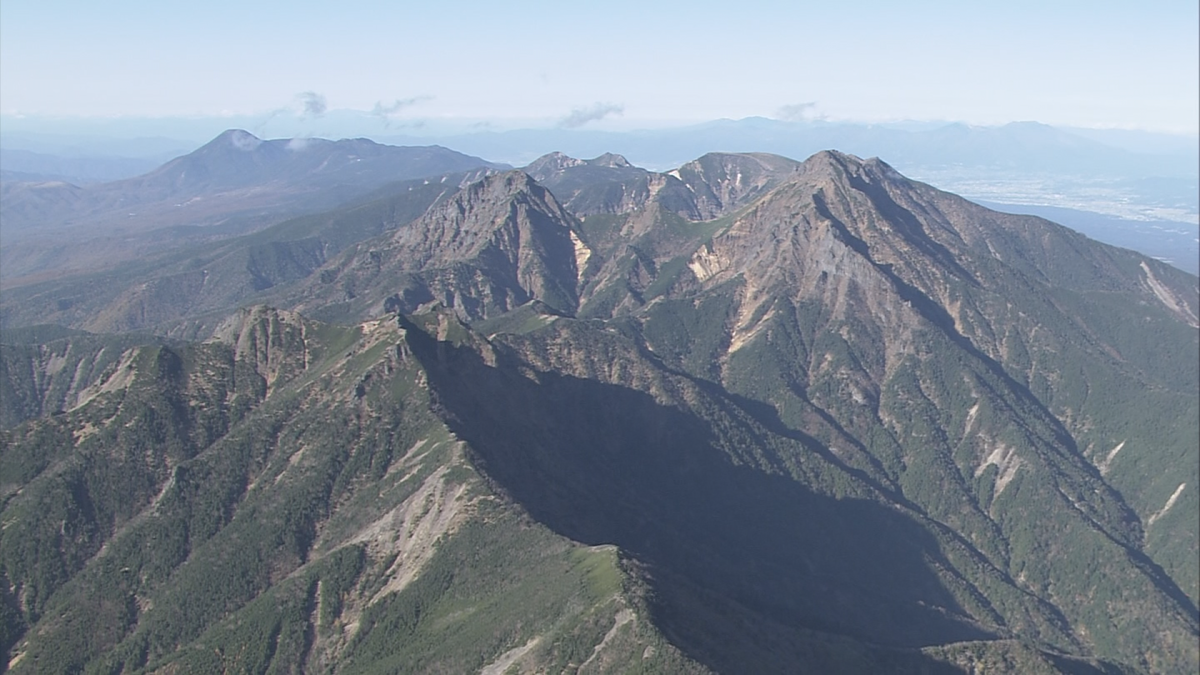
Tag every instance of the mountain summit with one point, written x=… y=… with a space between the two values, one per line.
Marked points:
x=237 y=159
x=492 y=246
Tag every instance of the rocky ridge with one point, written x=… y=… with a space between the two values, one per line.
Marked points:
x=823 y=417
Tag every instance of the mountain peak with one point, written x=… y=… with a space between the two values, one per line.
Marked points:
x=840 y=165
x=821 y=349
x=238 y=139
x=478 y=207
x=612 y=160
x=834 y=158
x=550 y=164
x=506 y=183
x=485 y=249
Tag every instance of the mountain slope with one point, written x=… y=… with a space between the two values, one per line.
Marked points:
x=1041 y=307
x=703 y=189
x=44 y=378
x=370 y=537
x=822 y=419
x=209 y=521
x=496 y=244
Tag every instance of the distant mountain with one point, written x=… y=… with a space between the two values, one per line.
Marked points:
x=748 y=416
x=237 y=159
x=234 y=184
x=1021 y=146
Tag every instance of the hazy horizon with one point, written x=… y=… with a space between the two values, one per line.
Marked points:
x=618 y=66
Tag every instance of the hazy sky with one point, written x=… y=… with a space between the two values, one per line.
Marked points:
x=1096 y=63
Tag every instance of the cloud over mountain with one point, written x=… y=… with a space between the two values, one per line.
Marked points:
x=593 y=113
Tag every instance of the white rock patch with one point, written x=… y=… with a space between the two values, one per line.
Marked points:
x=1007 y=462
x=623 y=617
x=1107 y=461
x=1170 y=503
x=705 y=264
x=970 y=423
x=582 y=253
x=506 y=660
x=1168 y=298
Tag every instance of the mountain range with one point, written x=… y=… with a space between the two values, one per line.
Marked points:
x=234 y=184
x=1130 y=189
x=748 y=415
x=1029 y=147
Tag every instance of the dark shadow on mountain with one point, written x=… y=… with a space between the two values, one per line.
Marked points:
x=788 y=569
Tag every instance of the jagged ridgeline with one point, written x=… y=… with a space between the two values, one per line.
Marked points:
x=748 y=416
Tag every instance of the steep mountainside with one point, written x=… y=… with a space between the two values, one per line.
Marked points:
x=44 y=377
x=748 y=416
x=849 y=279
x=404 y=495
x=200 y=515
x=495 y=245
x=703 y=189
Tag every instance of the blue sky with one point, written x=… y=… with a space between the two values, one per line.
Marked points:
x=1104 y=64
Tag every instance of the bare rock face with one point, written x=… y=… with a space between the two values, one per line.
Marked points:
x=608 y=184
x=492 y=246
x=860 y=305
x=272 y=341
x=547 y=166
x=722 y=182
x=59 y=375
x=704 y=189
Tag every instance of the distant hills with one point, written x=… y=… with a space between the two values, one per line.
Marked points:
x=748 y=415
x=24 y=165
